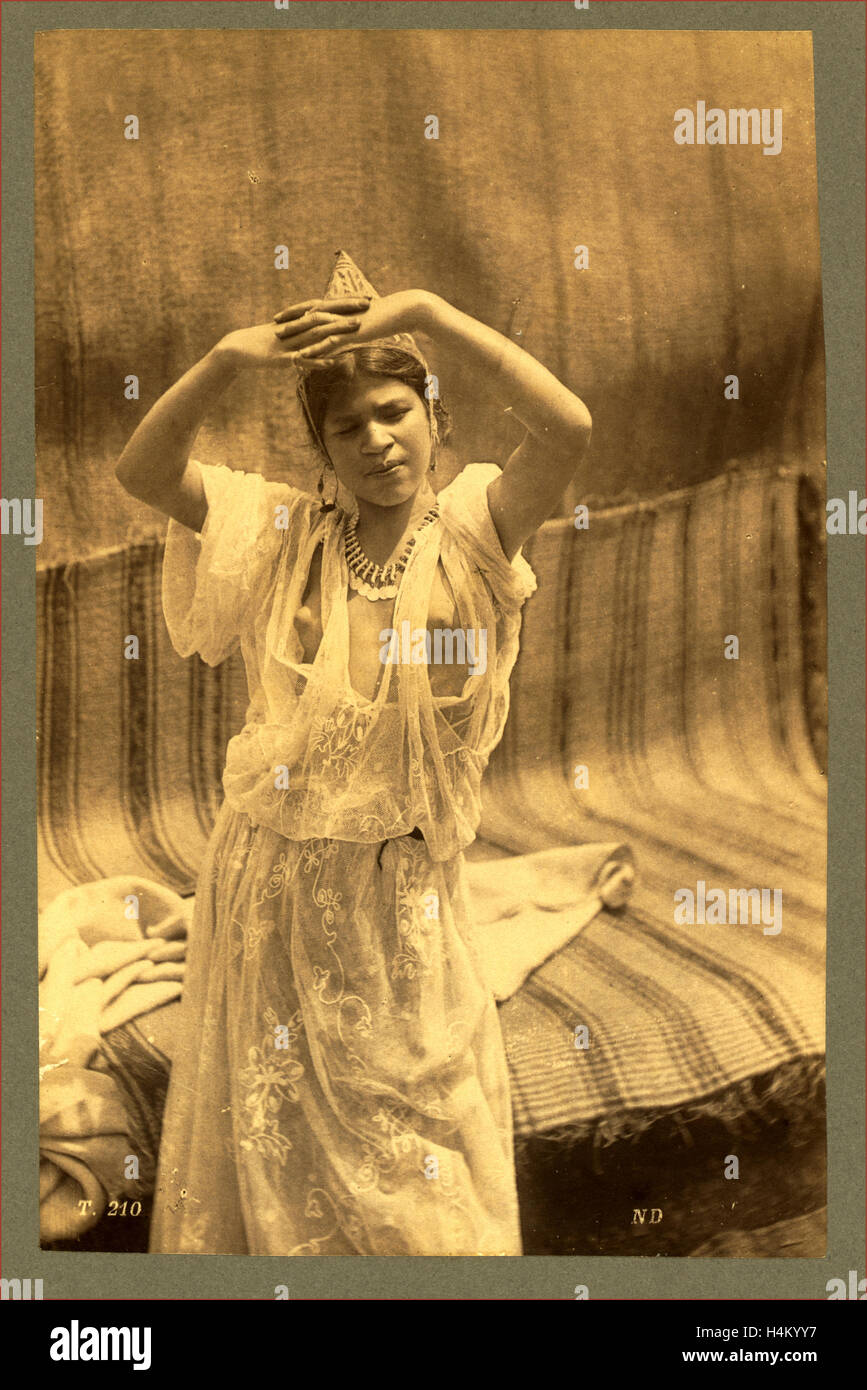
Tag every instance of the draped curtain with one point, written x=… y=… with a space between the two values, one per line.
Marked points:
x=703 y=261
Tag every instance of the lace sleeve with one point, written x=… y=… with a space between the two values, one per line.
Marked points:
x=464 y=510
x=211 y=578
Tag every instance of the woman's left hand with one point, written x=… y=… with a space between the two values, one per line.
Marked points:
x=403 y=312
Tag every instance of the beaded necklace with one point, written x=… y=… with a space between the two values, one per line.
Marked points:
x=379 y=581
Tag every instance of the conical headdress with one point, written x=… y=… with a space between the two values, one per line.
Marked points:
x=347 y=280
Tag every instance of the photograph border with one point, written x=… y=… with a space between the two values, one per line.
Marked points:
x=838 y=30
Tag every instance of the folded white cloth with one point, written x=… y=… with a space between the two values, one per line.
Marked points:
x=98 y=968
x=527 y=906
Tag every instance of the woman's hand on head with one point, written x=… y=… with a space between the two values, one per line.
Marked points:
x=312 y=329
x=264 y=346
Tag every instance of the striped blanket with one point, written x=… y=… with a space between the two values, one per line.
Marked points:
x=130 y=752
x=705 y=766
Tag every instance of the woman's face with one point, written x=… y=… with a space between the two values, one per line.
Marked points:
x=377 y=435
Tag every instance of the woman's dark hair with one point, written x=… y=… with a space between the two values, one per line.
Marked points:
x=374 y=361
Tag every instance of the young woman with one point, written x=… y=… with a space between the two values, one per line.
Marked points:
x=340 y=1085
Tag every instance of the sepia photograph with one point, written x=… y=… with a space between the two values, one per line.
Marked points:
x=431 y=643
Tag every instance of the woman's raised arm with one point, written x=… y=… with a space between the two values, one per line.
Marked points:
x=557 y=421
x=155 y=466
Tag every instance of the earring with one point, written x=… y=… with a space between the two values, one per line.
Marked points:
x=320 y=487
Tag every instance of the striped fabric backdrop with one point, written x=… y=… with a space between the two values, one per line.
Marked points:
x=705 y=766
x=130 y=752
